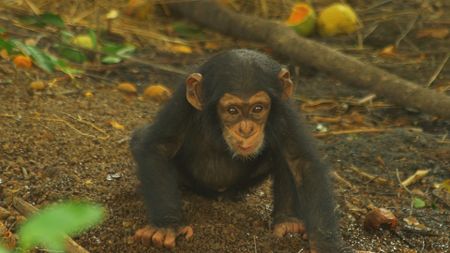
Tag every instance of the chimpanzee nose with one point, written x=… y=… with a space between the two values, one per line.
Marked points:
x=246 y=129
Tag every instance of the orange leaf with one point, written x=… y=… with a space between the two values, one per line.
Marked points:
x=22 y=61
x=127 y=88
x=436 y=33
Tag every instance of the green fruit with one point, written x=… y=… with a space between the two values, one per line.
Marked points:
x=302 y=19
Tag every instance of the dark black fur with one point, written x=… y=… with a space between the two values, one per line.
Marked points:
x=186 y=145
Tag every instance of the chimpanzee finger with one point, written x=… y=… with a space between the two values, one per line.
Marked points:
x=187 y=231
x=144 y=235
x=169 y=241
x=158 y=238
x=279 y=230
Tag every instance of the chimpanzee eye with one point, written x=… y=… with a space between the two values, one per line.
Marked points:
x=257 y=108
x=232 y=110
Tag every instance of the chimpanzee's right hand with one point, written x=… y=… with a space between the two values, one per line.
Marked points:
x=162 y=237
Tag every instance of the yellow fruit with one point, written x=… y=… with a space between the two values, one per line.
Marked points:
x=302 y=19
x=127 y=88
x=337 y=19
x=37 y=85
x=84 y=41
x=158 y=93
x=23 y=61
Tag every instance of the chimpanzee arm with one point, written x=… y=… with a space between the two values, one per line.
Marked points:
x=314 y=188
x=153 y=148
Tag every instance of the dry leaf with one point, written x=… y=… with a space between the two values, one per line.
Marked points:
x=180 y=49
x=22 y=61
x=389 y=51
x=127 y=88
x=380 y=218
x=37 y=85
x=116 y=125
x=158 y=93
x=412 y=221
x=436 y=33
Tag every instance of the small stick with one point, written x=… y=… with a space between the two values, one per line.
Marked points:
x=353 y=131
x=28 y=209
x=419 y=174
x=408 y=29
x=438 y=70
x=342 y=180
x=371 y=177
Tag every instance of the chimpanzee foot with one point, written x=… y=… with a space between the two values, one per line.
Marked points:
x=290 y=226
x=162 y=237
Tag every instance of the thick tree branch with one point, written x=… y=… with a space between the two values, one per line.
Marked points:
x=283 y=40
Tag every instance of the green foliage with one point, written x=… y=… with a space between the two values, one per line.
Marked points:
x=71 y=54
x=48 y=227
x=4 y=44
x=40 y=58
x=418 y=203
x=46 y=19
x=188 y=31
x=3 y=250
x=116 y=52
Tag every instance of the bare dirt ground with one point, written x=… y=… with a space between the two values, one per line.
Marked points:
x=58 y=144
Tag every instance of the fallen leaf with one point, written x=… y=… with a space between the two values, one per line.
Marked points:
x=380 y=218
x=435 y=33
x=37 y=85
x=116 y=125
x=412 y=221
x=23 y=61
x=388 y=51
x=127 y=88
x=4 y=54
x=418 y=203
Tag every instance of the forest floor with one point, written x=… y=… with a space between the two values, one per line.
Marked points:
x=59 y=144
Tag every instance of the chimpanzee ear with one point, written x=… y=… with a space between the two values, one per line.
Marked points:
x=286 y=82
x=193 y=90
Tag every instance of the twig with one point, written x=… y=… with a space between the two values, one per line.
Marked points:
x=419 y=174
x=28 y=209
x=408 y=29
x=254 y=243
x=353 y=131
x=342 y=180
x=400 y=182
x=371 y=177
x=438 y=70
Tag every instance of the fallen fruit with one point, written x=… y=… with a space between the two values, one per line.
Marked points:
x=37 y=85
x=337 y=19
x=380 y=218
x=83 y=41
x=157 y=93
x=127 y=88
x=302 y=19
x=22 y=61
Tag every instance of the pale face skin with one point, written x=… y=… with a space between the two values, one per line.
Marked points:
x=243 y=122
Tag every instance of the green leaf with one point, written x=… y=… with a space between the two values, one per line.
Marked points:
x=43 y=20
x=111 y=59
x=418 y=203
x=188 y=31
x=93 y=37
x=71 y=54
x=49 y=227
x=52 y=19
x=4 y=44
x=41 y=59
x=3 y=250
x=62 y=66
x=126 y=51
x=66 y=36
